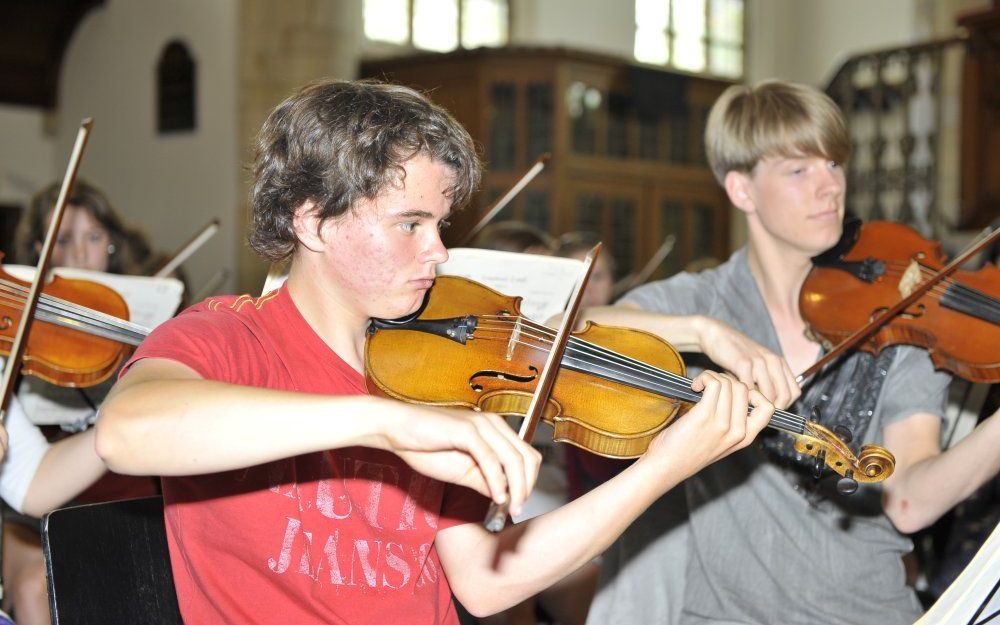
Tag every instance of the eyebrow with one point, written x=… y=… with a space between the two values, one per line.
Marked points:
x=419 y=214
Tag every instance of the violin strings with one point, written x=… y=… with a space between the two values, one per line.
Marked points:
x=961 y=293
x=949 y=282
x=675 y=386
x=56 y=310
x=641 y=374
x=46 y=313
x=72 y=307
x=76 y=315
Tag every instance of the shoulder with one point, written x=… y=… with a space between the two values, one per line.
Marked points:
x=682 y=293
x=912 y=386
x=210 y=334
x=226 y=314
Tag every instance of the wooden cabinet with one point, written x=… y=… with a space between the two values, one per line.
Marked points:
x=981 y=119
x=626 y=143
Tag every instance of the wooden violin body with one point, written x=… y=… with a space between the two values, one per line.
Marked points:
x=876 y=265
x=617 y=388
x=499 y=374
x=63 y=355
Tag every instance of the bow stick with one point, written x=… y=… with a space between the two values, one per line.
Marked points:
x=500 y=204
x=496 y=517
x=184 y=252
x=640 y=277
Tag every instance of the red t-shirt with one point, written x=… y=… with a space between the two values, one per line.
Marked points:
x=342 y=536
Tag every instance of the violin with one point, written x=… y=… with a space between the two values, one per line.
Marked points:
x=83 y=334
x=876 y=265
x=617 y=388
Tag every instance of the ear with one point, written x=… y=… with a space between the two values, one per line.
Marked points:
x=739 y=187
x=306 y=224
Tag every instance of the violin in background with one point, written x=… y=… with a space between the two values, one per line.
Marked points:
x=878 y=264
x=83 y=334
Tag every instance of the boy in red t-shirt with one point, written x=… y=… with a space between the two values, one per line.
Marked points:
x=291 y=494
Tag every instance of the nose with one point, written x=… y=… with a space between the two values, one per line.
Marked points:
x=74 y=253
x=435 y=252
x=832 y=181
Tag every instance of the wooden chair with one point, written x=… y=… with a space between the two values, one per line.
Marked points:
x=108 y=563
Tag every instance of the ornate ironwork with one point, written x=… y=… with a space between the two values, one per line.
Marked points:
x=893 y=103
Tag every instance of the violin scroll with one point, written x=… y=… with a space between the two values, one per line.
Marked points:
x=872 y=464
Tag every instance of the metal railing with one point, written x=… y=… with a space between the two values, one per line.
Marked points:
x=898 y=105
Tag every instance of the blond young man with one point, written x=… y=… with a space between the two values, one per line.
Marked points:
x=761 y=541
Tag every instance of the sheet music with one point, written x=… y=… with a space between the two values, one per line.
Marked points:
x=545 y=282
x=151 y=301
x=973 y=598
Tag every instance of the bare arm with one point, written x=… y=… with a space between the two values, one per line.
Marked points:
x=491 y=572
x=67 y=469
x=162 y=418
x=751 y=363
x=928 y=482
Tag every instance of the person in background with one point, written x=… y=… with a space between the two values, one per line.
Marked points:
x=91 y=236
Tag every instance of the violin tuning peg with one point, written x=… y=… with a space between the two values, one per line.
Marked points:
x=844 y=433
x=847 y=484
x=819 y=463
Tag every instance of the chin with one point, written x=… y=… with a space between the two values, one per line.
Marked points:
x=403 y=309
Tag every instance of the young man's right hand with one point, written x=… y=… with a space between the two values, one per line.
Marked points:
x=750 y=362
x=473 y=449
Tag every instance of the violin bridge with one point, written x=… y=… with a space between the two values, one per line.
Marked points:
x=911 y=279
x=515 y=336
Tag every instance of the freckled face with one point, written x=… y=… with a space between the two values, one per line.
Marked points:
x=82 y=242
x=799 y=202
x=382 y=254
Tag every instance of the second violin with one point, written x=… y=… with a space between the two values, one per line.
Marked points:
x=83 y=333
x=874 y=267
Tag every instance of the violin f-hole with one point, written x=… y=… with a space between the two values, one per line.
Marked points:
x=501 y=375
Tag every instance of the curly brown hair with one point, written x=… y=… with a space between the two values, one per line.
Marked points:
x=336 y=142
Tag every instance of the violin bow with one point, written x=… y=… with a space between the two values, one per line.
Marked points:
x=880 y=320
x=31 y=303
x=504 y=200
x=496 y=517
x=635 y=279
x=184 y=252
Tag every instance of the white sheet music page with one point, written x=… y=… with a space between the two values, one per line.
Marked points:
x=545 y=282
x=151 y=301
x=974 y=597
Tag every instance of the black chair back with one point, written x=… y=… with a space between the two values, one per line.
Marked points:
x=108 y=564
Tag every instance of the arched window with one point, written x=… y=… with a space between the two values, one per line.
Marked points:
x=175 y=83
